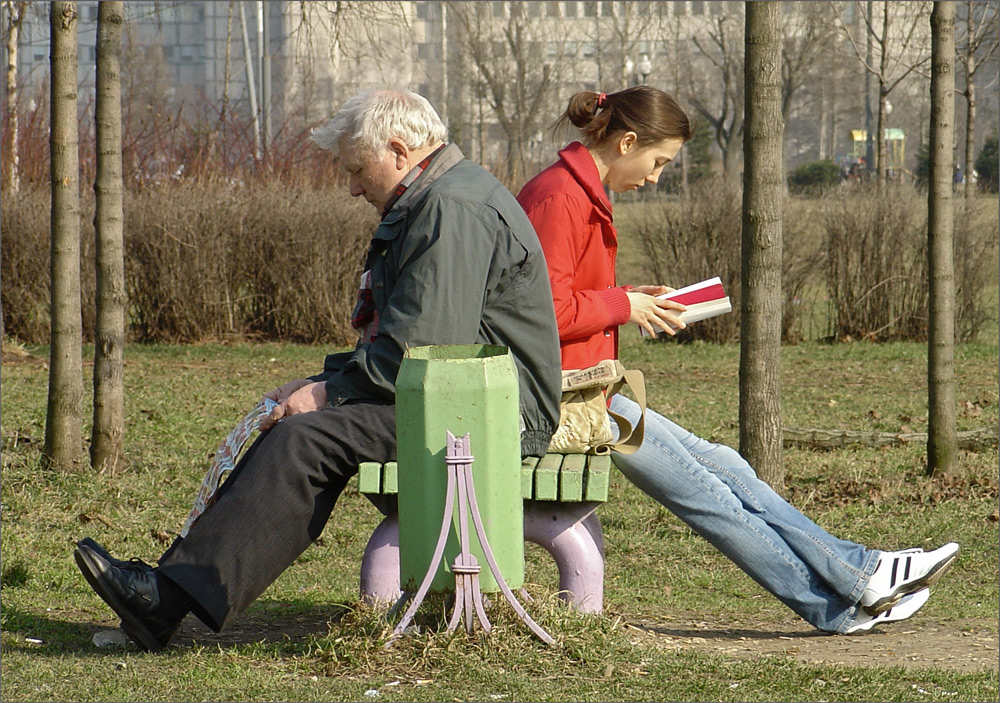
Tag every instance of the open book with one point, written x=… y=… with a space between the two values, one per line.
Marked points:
x=703 y=300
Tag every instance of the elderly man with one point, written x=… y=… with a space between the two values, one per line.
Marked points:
x=453 y=261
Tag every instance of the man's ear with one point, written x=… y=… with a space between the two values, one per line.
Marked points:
x=401 y=152
x=627 y=141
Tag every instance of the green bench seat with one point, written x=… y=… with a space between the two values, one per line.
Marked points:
x=563 y=478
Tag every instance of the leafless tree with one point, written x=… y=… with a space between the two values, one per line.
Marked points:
x=63 y=419
x=503 y=52
x=109 y=335
x=723 y=108
x=760 y=278
x=14 y=13
x=619 y=40
x=368 y=43
x=808 y=31
x=900 y=52
x=942 y=442
x=979 y=42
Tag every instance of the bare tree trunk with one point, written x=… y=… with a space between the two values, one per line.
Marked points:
x=824 y=120
x=970 y=100
x=63 y=419
x=109 y=335
x=970 y=125
x=883 y=96
x=15 y=17
x=251 y=85
x=941 y=439
x=760 y=340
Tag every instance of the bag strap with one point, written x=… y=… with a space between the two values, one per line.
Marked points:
x=629 y=438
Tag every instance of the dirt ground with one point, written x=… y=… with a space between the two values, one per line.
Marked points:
x=964 y=646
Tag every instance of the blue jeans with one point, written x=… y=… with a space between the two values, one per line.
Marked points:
x=717 y=494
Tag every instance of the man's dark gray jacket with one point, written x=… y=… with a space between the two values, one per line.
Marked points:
x=456 y=261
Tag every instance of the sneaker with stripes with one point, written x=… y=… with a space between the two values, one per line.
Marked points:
x=907 y=606
x=898 y=574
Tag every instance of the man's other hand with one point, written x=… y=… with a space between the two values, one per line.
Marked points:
x=295 y=397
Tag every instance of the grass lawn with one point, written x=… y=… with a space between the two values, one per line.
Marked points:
x=307 y=638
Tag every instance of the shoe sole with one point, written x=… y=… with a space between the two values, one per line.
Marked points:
x=133 y=627
x=925 y=581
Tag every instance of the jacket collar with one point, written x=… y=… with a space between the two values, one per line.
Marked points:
x=581 y=164
x=443 y=160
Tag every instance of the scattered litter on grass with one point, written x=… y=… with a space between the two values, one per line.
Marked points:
x=734 y=685
x=121 y=665
x=372 y=693
x=110 y=638
x=33 y=640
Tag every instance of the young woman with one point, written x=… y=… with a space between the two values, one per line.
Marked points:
x=836 y=585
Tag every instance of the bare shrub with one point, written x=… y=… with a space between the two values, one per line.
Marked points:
x=877 y=263
x=688 y=241
x=977 y=239
x=206 y=261
x=268 y=260
x=24 y=265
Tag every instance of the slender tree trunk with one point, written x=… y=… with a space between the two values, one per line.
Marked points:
x=12 y=171
x=109 y=335
x=63 y=420
x=880 y=157
x=760 y=339
x=941 y=434
x=970 y=102
x=824 y=120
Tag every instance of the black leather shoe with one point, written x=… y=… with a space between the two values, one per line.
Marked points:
x=131 y=591
x=104 y=554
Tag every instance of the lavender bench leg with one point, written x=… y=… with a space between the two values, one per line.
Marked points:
x=570 y=532
x=380 y=564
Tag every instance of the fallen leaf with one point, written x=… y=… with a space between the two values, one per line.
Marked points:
x=160 y=536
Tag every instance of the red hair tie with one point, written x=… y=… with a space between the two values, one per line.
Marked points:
x=601 y=100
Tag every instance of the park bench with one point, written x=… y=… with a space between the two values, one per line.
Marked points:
x=561 y=495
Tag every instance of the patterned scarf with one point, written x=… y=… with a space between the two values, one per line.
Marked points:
x=364 y=317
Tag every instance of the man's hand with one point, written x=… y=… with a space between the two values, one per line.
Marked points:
x=280 y=395
x=300 y=396
x=654 y=314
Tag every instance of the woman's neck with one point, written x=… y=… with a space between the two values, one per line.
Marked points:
x=603 y=157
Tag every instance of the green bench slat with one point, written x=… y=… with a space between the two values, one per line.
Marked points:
x=528 y=477
x=547 y=477
x=598 y=478
x=370 y=477
x=571 y=478
x=389 y=484
x=566 y=478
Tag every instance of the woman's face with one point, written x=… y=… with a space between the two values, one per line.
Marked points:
x=637 y=166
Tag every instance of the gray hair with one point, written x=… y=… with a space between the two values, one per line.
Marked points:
x=371 y=119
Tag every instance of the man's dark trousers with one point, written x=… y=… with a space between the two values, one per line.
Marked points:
x=275 y=504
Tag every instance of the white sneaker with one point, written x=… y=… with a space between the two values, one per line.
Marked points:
x=907 y=606
x=899 y=574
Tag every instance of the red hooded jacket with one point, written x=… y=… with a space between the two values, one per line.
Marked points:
x=572 y=216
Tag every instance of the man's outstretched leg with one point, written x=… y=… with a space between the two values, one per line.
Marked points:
x=273 y=506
